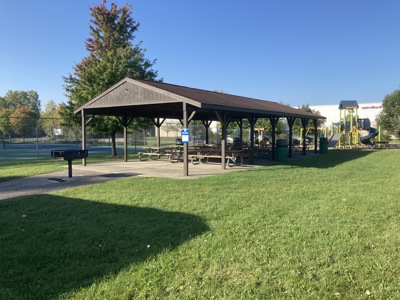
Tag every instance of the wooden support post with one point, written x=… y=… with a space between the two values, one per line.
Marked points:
x=315 y=121
x=240 y=125
x=224 y=120
x=274 y=121
x=291 y=121
x=158 y=137
x=207 y=124
x=125 y=121
x=252 y=120
x=304 y=123
x=158 y=124
x=223 y=140
x=83 y=135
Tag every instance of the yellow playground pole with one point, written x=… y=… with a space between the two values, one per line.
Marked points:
x=379 y=134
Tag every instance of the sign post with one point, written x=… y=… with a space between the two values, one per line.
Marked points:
x=185 y=142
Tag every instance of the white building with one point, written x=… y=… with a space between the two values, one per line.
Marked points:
x=172 y=128
x=365 y=110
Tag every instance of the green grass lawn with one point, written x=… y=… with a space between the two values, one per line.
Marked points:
x=13 y=170
x=24 y=168
x=325 y=227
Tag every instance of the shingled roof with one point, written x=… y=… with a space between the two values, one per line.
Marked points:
x=143 y=98
x=348 y=104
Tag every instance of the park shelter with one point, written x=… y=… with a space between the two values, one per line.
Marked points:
x=133 y=98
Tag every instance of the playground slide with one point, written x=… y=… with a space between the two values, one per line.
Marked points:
x=373 y=132
x=335 y=138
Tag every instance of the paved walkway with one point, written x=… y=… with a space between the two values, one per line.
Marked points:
x=102 y=172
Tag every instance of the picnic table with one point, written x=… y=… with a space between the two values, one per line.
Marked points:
x=150 y=153
x=205 y=153
x=175 y=153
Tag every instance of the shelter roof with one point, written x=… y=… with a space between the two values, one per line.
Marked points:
x=153 y=99
x=348 y=104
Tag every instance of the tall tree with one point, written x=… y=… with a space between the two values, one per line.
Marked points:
x=16 y=99
x=389 y=118
x=266 y=124
x=50 y=118
x=5 y=125
x=112 y=57
x=170 y=127
x=23 y=121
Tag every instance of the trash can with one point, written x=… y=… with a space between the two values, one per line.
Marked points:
x=323 y=145
x=282 y=150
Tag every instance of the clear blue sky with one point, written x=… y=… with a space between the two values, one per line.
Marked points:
x=297 y=52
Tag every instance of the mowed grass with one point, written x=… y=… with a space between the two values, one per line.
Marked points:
x=325 y=227
x=10 y=170
x=25 y=168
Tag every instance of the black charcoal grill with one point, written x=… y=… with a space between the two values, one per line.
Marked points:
x=69 y=155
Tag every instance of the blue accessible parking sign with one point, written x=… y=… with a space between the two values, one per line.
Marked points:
x=185 y=135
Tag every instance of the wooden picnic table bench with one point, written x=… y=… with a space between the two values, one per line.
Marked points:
x=231 y=156
x=175 y=154
x=151 y=153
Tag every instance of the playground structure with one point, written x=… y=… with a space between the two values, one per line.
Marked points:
x=351 y=131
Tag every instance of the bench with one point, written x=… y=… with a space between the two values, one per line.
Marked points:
x=203 y=158
x=149 y=155
x=174 y=155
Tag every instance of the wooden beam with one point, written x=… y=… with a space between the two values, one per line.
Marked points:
x=90 y=119
x=83 y=135
x=274 y=121
x=224 y=120
x=315 y=122
x=158 y=124
x=252 y=120
x=240 y=125
x=291 y=121
x=207 y=124
x=304 y=122
x=125 y=124
x=191 y=116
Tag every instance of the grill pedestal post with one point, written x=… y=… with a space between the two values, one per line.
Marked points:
x=70 y=169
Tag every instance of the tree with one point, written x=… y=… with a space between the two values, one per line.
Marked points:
x=389 y=118
x=297 y=126
x=23 y=121
x=50 y=118
x=112 y=57
x=266 y=124
x=170 y=126
x=5 y=125
x=15 y=99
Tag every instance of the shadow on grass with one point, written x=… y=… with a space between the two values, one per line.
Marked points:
x=324 y=161
x=329 y=160
x=50 y=245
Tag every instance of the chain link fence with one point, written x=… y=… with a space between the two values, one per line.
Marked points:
x=35 y=139
x=39 y=137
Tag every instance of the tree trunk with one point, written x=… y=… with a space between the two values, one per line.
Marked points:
x=113 y=145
